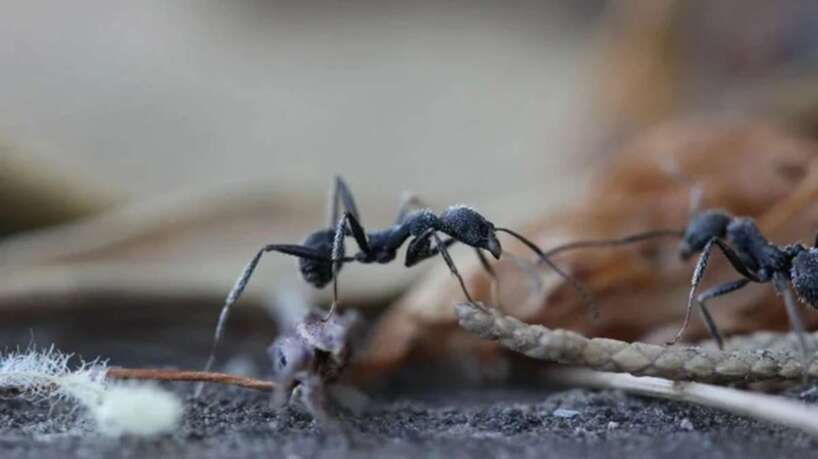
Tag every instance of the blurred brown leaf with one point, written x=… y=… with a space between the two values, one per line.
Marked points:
x=749 y=168
x=35 y=194
x=177 y=250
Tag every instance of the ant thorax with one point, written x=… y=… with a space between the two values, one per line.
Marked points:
x=418 y=221
x=753 y=248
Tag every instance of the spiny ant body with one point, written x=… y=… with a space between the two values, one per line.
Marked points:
x=323 y=253
x=459 y=223
x=754 y=258
x=751 y=255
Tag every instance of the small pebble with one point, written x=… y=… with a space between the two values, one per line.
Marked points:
x=563 y=413
x=613 y=425
x=686 y=424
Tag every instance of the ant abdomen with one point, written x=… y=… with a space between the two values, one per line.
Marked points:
x=318 y=272
x=804 y=276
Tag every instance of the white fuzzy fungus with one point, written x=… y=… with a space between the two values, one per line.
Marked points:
x=141 y=410
x=118 y=409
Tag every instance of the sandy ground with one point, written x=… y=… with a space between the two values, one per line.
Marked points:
x=499 y=422
x=412 y=417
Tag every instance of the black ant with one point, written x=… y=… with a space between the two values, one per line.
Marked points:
x=323 y=253
x=751 y=255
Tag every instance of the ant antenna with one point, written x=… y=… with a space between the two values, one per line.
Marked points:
x=531 y=269
x=671 y=166
x=587 y=298
x=633 y=238
x=695 y=199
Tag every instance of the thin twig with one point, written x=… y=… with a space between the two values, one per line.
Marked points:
x=190 y=376
x=770 y=408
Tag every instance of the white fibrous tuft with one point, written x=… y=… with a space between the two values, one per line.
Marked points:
x=46 y=375
x=142 y=410
x=118 y=409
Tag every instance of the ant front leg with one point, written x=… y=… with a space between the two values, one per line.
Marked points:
x=444 y=252
x=710 y=294
x=440 y=246
x=698 y=273
x=495 y=281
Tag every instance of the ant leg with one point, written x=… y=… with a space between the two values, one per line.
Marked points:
x=341 y=192
x=521 y=263
x=780 y=283
x=698 y=273
x=701 y=265
x=710 y=294
x=338 y=251
x=815 y=244
x=735 y=261
x=357 y=231
x=485 y=263
x=446 y=257
x=420 y=248
x=241 y=283
x=586 y=296
x=495 y=281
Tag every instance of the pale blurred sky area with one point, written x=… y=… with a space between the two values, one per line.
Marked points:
x=156 y=96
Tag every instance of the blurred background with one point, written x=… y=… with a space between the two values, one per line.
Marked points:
x=148 y=148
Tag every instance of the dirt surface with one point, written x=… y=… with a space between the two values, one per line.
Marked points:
x=404 y=419
x=518 y=422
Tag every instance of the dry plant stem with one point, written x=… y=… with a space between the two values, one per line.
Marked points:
x=678 y=363
x=771 y=408
x=190 y=376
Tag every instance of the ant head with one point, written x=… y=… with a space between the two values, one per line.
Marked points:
x=467 y=226
x=318 y=272
x=804 y=275
x=701 y=228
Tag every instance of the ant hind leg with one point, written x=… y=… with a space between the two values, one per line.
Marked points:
x=781 y=286
x=241 y=283
x=338 y=251
x=341 y=194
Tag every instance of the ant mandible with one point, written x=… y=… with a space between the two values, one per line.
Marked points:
x=322 y=254
x=750 y=254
